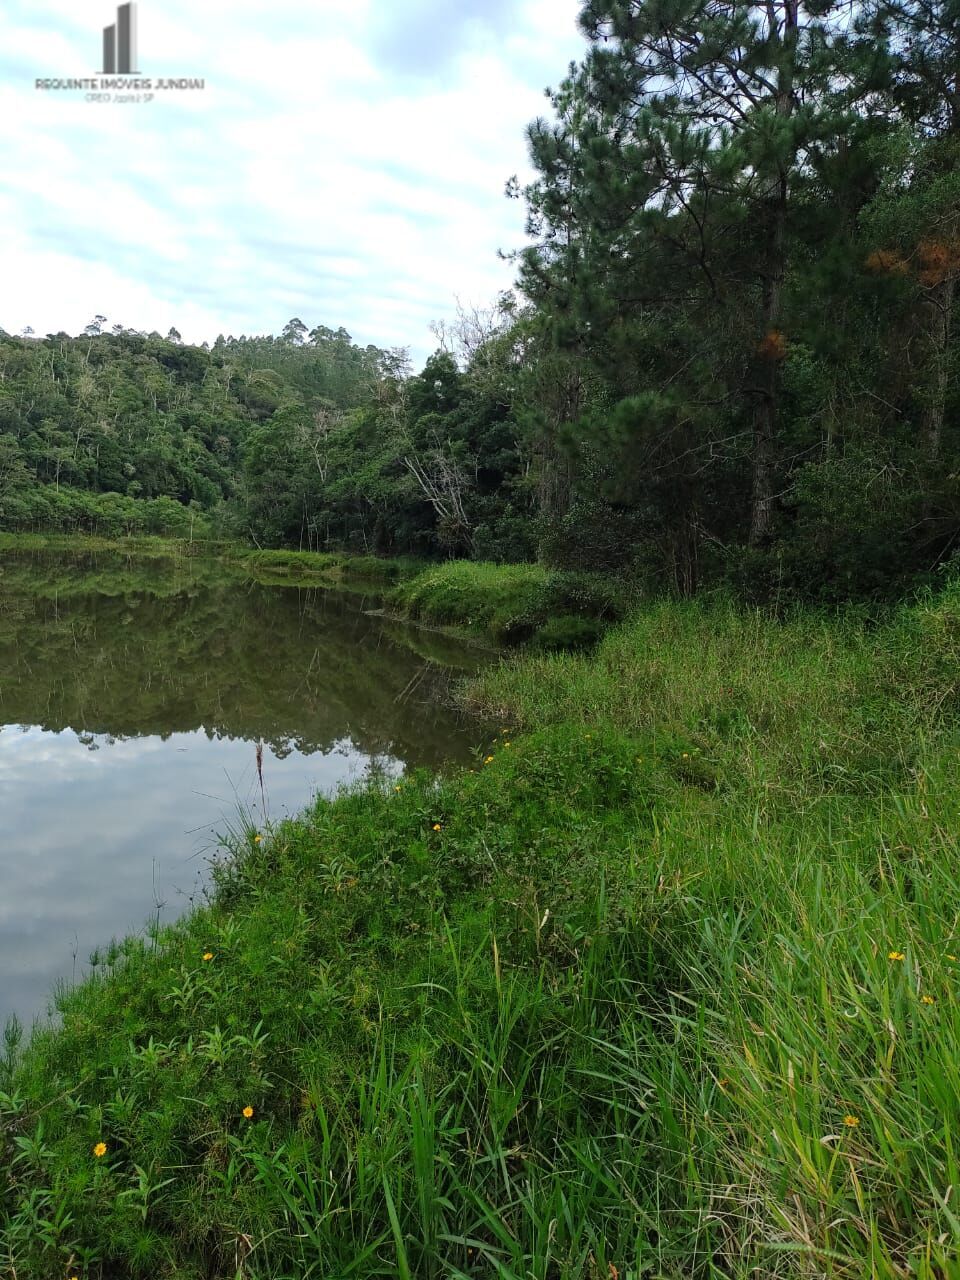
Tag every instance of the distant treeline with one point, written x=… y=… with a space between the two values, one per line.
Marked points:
x=731 y=355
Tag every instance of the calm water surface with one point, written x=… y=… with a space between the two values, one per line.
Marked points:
x=132 y=696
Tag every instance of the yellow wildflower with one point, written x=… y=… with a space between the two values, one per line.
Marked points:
x=508 y=744
x=257 y=838
x=895 y=955
x=397 y=788
x=437 y=827
x=208 y=955
x=100 y=1149
x=248 y=1113
x=927 y=1000
x=488 y=760
x=851 y=1121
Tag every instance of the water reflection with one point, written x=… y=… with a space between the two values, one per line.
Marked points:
x=131 y=699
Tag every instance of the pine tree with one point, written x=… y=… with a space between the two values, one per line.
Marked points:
x=924 y=36
x=684 y=137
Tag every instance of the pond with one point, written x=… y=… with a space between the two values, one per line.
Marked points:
x=133 y=696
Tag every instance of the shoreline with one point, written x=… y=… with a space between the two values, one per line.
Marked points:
x=498 y=607
x=610 y=966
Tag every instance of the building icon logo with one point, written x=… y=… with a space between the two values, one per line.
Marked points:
x=120 y=43
x=120 y=80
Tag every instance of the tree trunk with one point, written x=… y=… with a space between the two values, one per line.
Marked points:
x=940 y=303
x=555 y=479
x=685 y=556
x=554 y=463
x=771 y=349
x=761 y=512
x=765 y=413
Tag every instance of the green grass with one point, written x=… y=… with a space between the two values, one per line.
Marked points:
x=610 y=1017
x=796 y=707
x=514 y=603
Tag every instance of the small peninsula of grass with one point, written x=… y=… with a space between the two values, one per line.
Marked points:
x=514 y=603
x=666 y=985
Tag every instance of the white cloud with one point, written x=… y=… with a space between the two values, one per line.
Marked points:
x=334 y=167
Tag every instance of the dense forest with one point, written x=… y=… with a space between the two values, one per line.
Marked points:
x=730 y=354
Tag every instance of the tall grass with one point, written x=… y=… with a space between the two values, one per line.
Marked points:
x=664 y=988
x=809 y=702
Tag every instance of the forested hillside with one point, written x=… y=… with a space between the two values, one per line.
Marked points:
x=121 y=431
x=731 y=354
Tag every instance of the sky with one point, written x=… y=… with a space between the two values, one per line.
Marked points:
x=345 y=163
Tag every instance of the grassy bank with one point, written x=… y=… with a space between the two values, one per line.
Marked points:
x=511 y=604
x=665 y=986
x=495 y=603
